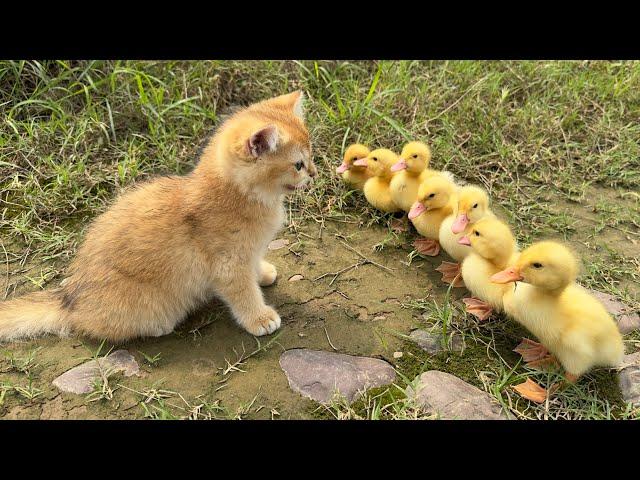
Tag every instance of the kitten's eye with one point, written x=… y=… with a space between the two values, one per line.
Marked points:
x=415 y=156
x=477 y=233
x=475 y=206
x=432 y=195
x=299 y=165
x=537 y=265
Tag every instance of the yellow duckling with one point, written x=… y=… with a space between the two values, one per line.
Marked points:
x=571 y=324
x=436 y=200
x=493 y=248
x=412 y=168
x=376 y=189
x=473 y=204
x=354 y=175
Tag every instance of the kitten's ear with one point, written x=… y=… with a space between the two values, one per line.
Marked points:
x=263 y=141
x=298 y=106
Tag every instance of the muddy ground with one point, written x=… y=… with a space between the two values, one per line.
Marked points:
x=355 y=298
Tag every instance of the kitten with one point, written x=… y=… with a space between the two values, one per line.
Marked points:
x=169 y=245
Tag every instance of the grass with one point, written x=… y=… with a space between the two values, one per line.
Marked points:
x=555 y=143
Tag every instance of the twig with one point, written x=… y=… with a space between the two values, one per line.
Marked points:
x=368 y=260
x=329 y=340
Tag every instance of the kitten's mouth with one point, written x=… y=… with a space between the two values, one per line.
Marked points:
x=293 y=188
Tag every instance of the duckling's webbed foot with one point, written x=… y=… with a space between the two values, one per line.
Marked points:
x=451 y=273
x=427 y=246
x=535 y=354
x=479 y=309
x=399 y=225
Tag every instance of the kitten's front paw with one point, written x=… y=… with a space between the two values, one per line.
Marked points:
x=265 y=323
x=268 y=274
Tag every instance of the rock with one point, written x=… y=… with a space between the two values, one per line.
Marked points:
x=296 y=278
x=629 y=378
x=432 y=342
x=318 y=374
x=278 y=244
x=628 y=319
x=397 y=354
x=81 y=379
x=454 y=399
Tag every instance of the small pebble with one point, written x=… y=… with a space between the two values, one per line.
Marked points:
x=397 y=354
x=296 y=278
x=279 y=243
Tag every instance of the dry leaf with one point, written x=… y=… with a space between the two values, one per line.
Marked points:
x=279 y=243
x=531 y=391
x=296 y=278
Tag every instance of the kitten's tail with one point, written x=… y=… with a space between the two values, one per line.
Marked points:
x=31 y=315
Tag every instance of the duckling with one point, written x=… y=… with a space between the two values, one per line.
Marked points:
x=354 y=175
x=412 y=169
x=376 y=189
x=473 y=204
x=436 y=200
x=493 y=248
x=569 y=322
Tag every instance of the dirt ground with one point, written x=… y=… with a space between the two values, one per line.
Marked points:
x=355 y=298
x=349 y=313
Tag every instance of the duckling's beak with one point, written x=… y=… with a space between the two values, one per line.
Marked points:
x=417 y=209
x=464 y=240
x=511 y=274
x=460 y=224
x=399 y=165
x=361 y=162
x=343 y=168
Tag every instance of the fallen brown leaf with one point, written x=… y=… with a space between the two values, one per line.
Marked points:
x=531 y=391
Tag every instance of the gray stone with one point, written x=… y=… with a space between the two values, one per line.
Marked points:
x=278 y=244
x=319 y=375
x=432 y=342
x=629 y=378
x=628 y=319
x=451 y=398
x=81 y=379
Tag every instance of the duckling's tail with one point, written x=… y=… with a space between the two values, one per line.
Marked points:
x=32 y=315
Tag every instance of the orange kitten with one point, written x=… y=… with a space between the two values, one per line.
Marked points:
x=169 y=245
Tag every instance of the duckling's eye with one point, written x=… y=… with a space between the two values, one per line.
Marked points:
x=354 y=158
x=475 y=206
x=537 y=265
x=375 y=159
x=477 y=233
x=299 y=165
x=415 y=155
x=432 y=195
